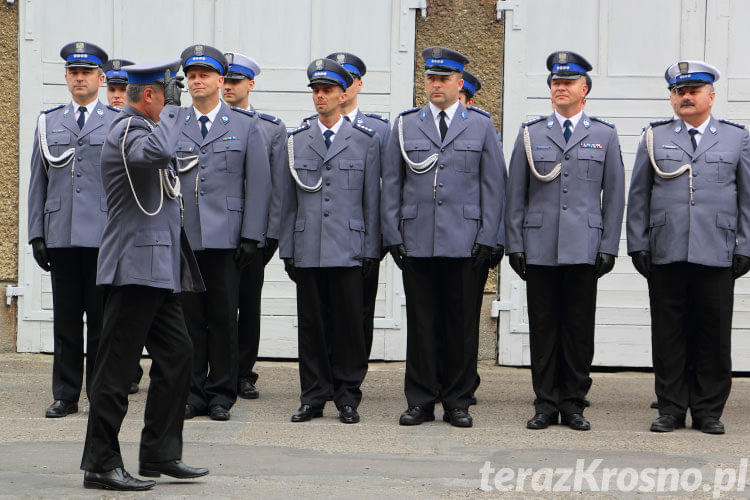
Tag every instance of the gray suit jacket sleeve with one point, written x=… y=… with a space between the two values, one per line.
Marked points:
x=257 y=187
x=743 y=199
x=371 y=201
x=288 y=193
x=613 y=197
x=279 y=159
x=492 y=187
x=501 y=225
x=390 y=204
x=518 y=181
x=639 y=201
x=37 y=192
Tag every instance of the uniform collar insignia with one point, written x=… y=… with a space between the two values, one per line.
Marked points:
x=463 y=114
x=422 y=115
x=712 y=129
x=67 y=110
x=360 y=121
x=187 y=118
x=550 y=123
x=224 y=118
x=586 y=123
x=678 y=129
x=100 y=111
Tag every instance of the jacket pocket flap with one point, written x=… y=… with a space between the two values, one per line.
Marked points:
x=52 y=205
x=467 y=145
x=721 y=156
x=299 y=225
x=188 y=147
x=472 y=212
x=409 y=212
x=420 y=145
x=345 y=164
x=533 y=219
x=725 y=221
x=356 y=225
x=658 y=219
x=544 y=155
x=58 y=138
x=152 y=237
x=595 y=220
x=302 y=164
x=668 y=154
x=591 y=154
x=235 y=204
x=97 y=139
x=233 y=145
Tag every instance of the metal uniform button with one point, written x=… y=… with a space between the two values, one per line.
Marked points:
x=440 y=202
x=442 y=150
x=328 y=167
x=440 y=184
x=202 y=193
x=565 y=190
x=328 y=183
x=327 y=198
x=442 y=166
x=171 y=114
x=78 y=190
x=567 y=157
x=565 y=174
x=80 y=142
x=325 y=214
x=692 y=202
x=203 y=179
x=203 y=166
x=80 y=158
x=695 y=174
x=78 y=174
x=565 y=207
x=203 y=151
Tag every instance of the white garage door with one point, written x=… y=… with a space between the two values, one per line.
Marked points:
x=630 y=44
x=283 y=36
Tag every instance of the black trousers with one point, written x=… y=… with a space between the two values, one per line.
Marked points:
x=331 y=343
x=369 y=293
x=74 y=292
x=248 y=321
x=691 y=331
x=441 y=342
x=562 y=307
x=211 y=319
x=135 y=316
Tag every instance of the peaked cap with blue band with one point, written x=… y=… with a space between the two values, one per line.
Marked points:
x=241 y=66
x=471 y=83
x=206 y=56
x=328 y=71
x=114 y=72
x=142 y=74
x=442 y=61
x=567 y=65
x=352 y=63
x=691 y=74
x=83 y=54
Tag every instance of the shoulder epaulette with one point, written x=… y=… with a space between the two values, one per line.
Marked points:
x=532 y=122
x=412 y=110
x=117 y=110
x=661 y=122
x=597 y=119
x=269 y=118
x=738 y=125
x=311 y=117
x=366 y=130
x=377 y=117
x=480 y=111
x=243 y=111
x=305 y=125
x=53 y=109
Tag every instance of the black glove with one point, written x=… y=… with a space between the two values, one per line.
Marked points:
x=368 y=266
x=398 y=252
x=604 y=264
x=740 y=265
x=172 y=89
x=39 y=249
x=642 y=262
x=517 y=261
x=481 y=255
x=270 y=249
x=497 y=256
x=245 y=252
x=290 y=269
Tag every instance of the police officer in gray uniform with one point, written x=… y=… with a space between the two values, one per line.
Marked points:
x=351 y=112
x=226 y=187
x=238 y=83
x=144 y=262
x=330 y=239
x=443 y=193
x=566 y=197
x=687 y=227
x=117 y=81
x=67 y=211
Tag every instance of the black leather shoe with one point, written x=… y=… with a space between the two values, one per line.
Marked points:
x=133 y=389
x=247 y=390
x=655 y=404
x=575 y=421
x=306 y=412
x=542 y=421
x=458 y=417
x=415 y=415
x=473 y=399
x=174 y=468
x=348 y=415
x=709 y=425
x=586 y=402
x=61 y=408
x=667 y=423
x=115 y=479
x=218 y=412
x=190 y=411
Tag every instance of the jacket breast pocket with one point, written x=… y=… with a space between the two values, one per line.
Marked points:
x=409 y=227
x=308 y=171
x=97 y=139
x=669 y=160
x=417 y=150
x=468 y=153
x=230 y=155
x=353 y=173
x=532 y=233
x=724 y=163
x=58 y=142
x=152 y=255
x=544 y=160
x=591 y=164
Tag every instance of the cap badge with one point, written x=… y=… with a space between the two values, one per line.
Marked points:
x=198 y=50
x=116 y=65
x=435 y=52
x=341 y=58
x=683 y=66
x=80 y=46
x=562 y=57
x=230 y=58
x=319 y=64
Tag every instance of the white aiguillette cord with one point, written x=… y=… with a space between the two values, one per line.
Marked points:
x=554 y=173
x=302 y=185
x=667 y=175
x=421 y=167
x=54 y=161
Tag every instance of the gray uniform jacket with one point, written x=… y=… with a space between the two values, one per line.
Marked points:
x=579 y=214
x=138 y=249
x=227 y=193
x=712 y=227
x=376 y=123
x=338 y=225
x=67 y=206
x=444 y=212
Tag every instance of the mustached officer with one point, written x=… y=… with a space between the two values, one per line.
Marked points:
x=117 y=81
x=238 y=83
x=226 y=188
x=144 y=262
x=67 y=212
x=442 y=196
x=687 y=227
x=351 y=112
x=329 y=238
x=566 y=198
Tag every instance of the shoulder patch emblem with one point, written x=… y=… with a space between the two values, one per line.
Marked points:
x=364 y=129
x=738 y=125
x=480 y=111
x=269 y=118
x=243 y=111
x=53 y=109
x=377 y=117
x=661 y=122
x=531 y=122
x=305 y=125
x=412 y=110
x=116 y=110
x=597 y=119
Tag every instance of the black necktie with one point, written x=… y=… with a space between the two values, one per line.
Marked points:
x=347 y=118
x=327 y=134
x=81 y=117
x=567 y=129
x=443 y=125
x=693 y=132
x=204 y=130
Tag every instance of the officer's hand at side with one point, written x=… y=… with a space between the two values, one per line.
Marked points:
x=398 y=252
x=740 y=265
x=172 y=89
x=368 y=266
x=481 y=255
x=642 y=262
x=290 y=270
x=497 y=256
x=39 y=249
x=270 y=249
x=517 y=261
x=604 y=264
x=245 y=252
